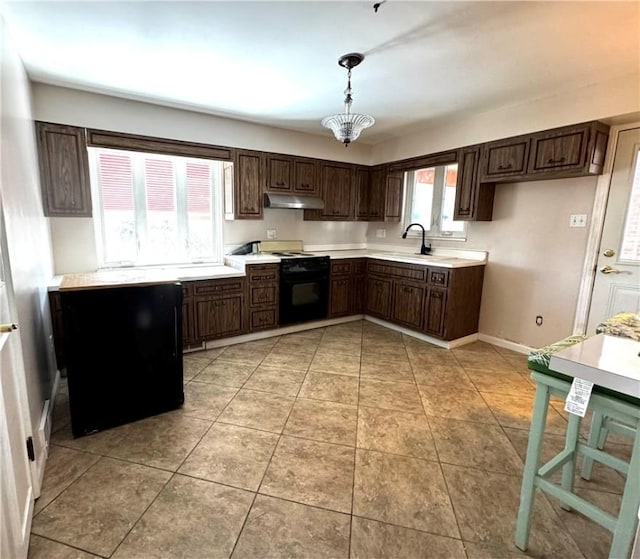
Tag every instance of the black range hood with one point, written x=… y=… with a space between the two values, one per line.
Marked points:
x=292 y=202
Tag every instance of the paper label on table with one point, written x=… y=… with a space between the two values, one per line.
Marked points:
x=578 y=397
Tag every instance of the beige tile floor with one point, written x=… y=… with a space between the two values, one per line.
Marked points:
x=346 y=441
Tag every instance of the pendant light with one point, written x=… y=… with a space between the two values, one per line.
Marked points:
x=347 y=126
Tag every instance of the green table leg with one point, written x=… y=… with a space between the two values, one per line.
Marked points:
x=628 y=516
x=534 y=449
x=571 y=444
x=594 y=442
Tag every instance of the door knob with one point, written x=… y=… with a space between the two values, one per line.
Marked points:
x=6 y=328
x=610 y=270
x=609 y=253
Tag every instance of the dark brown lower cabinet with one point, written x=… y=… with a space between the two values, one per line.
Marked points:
x=214 y=309
x=263 y=285
x=378 y=297
x=339 y=296
x=55 y=307
x=408 y=301
x=434 y=308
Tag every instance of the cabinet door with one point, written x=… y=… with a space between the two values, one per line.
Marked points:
x=64 y=170
x=474 y=200
x=358 y=293
x=339 y=298
x=55 y=307
x=377 y=195
x=408 y=302
x=249 y=169
x=188 y=326
x=378 y=297
x=279 y=173
x=434 y=311
x=505 y=159
x=336 y=188
x=393 y=196
x=220 y=317
x=306 y=177
x=561 y=150
x=363 y=189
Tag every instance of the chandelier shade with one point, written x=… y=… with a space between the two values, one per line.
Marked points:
x=347 y=126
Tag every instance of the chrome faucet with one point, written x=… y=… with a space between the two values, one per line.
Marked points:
x=423 y=249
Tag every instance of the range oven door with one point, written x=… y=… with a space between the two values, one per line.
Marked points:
x=303 y=297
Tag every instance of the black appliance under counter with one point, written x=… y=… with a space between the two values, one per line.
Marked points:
x=123 y=348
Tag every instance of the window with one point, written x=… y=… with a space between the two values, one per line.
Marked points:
x=630 y=250
x=431 y=195
x=155 y=209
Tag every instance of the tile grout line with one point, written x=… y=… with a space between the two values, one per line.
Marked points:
x=275 y=447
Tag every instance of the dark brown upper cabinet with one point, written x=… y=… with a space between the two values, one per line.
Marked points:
x=305 y=176
x=279 y=172
x=474 y=200
x=64 y=170
x=249 y=171
x=336 y=187
x=571 y=151
x=505 y=158
x=363 y=193
x=393 y=195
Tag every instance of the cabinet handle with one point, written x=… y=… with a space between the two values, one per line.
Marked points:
x=505 y=167
x=552 y=161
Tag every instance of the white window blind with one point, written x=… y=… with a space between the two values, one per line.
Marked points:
x=155 y=209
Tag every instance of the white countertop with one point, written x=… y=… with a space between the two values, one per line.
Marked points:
x=608 y=361
x=443 y=258
x=140 y=276
x=234 y=266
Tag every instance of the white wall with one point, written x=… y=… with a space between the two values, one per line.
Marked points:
x=28 y=237
x=599 y=101
x=535 y=259
x=73 y=238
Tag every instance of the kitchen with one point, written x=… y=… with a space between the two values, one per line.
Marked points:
x=522 y=232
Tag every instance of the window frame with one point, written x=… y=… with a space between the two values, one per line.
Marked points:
x=434 y=233
x=178 y=161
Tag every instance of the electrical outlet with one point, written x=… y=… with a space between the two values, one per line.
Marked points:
x=578 y=220
x=271 y=234
x=381 y=233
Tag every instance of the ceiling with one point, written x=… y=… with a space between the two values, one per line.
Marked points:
x=276 y=62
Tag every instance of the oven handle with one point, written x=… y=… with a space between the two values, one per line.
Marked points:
x=304 y=278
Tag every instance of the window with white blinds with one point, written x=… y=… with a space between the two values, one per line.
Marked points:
x=156 y=209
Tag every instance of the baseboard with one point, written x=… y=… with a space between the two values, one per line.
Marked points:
x=279 y=332
x=43 y=436
x=500 y=342
x=434 y=341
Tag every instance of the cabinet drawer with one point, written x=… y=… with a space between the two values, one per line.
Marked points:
x=264 y=318
x=266 y=275
x=211 y=287
x=263 y=295
x=405 y=271
x=340 y=268
x=438 y=277
x=559 y=150
x=502 y=159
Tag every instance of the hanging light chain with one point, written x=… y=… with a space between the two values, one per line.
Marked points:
x=349 y=98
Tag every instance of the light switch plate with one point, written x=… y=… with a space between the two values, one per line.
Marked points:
x=271 y=234
x=578 y=220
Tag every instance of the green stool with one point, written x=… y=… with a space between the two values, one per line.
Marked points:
x=605 y=404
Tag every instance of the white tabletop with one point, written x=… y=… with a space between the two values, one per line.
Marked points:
x=609 y=361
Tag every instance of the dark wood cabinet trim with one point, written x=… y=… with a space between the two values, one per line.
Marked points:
x=135 y=142
x=423 y=161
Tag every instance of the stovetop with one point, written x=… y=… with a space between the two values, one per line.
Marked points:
x=291 y=254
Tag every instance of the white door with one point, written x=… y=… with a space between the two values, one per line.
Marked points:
x=16 y=491
x=617 y=283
